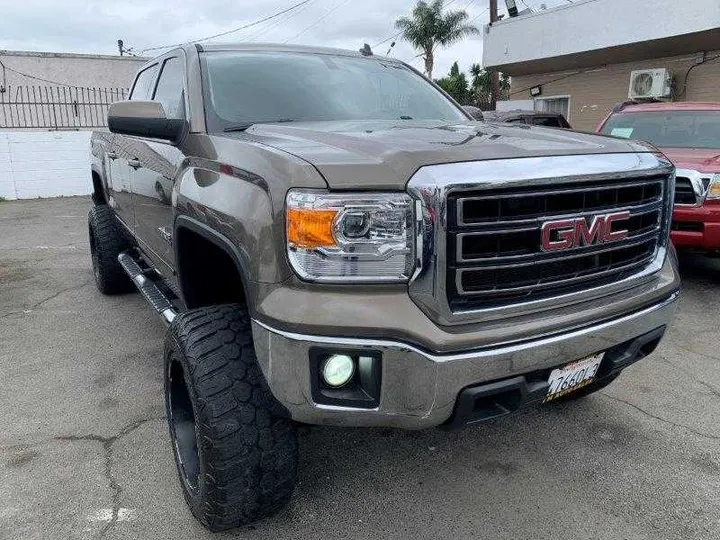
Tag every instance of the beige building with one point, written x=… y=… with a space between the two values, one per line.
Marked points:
x=583 y=58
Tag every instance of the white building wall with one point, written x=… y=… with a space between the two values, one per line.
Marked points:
x=587 y=25
x=44 y=164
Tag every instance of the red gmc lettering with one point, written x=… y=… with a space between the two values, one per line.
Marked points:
x=571 y=233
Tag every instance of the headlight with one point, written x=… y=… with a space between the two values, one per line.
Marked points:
x=713 y=191
x=350 y=237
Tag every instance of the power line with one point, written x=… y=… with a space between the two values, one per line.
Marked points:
x=280 y=21
x=35 y=77
x=318 y=21
x=254 y=23
x=400 y=32
x=547 y=82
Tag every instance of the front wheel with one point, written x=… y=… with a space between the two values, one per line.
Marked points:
x=235 y=452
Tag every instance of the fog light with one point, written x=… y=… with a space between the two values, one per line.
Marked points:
x=338 y=370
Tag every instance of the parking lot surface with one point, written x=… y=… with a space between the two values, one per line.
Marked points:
x=84 y=451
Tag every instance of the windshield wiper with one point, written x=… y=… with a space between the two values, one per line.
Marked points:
x=245 y=125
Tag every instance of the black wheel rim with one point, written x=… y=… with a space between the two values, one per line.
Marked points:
x=182 y=427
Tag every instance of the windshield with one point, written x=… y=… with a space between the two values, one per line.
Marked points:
x=668 y=129
x=248 y=87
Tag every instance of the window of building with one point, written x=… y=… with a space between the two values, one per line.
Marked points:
x=170 y=88
x=554 y=104
x=142 y=89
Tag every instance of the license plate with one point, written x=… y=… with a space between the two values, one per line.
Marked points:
x=573 y=376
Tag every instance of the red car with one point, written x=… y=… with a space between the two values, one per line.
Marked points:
x=689 y=135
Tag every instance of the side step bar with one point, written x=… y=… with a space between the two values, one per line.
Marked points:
x=147 y=287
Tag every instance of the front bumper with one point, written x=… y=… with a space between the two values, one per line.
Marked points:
x=420 y=389
x=697 y=228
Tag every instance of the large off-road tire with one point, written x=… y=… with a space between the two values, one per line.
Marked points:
x=107 y=241
x=587 y=390
x=235 y=450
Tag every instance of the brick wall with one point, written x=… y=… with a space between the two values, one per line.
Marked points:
x=44 y=164
x=594 y=92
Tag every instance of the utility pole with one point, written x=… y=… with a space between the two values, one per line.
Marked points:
x=494 y=76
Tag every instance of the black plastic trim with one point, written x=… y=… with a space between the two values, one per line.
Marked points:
x=362 y=392
x=211 y=235
x=485 y=402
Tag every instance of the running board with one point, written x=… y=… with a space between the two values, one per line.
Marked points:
x=147 y=287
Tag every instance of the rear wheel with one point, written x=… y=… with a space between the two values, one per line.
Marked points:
x=107 y=241
x=236 y=453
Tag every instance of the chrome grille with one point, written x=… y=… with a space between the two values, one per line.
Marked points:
x=494 y=253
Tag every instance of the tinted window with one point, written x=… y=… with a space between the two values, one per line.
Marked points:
x=515 y=121
x=264 y=87
x=142 y=89
x=549 y=121
x=169 y=89
x=668 y=129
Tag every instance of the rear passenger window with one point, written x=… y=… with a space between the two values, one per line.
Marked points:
x=142 y=89
x=169 y=89
x=549 y=121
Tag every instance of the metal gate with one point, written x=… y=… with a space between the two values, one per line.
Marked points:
x=57 y=107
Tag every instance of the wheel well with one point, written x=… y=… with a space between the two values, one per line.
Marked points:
x=98 y=191
x=208 y=274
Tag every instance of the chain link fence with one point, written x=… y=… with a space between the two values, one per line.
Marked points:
x=56 y=107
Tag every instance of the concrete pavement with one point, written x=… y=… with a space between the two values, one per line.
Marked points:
x=84 y=451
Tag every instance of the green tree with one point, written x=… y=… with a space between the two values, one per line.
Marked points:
x=429 y=28
x=481 y=85
x=456 y=84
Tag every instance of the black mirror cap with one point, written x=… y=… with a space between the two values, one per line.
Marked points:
x=168 y=129
x=145 y=119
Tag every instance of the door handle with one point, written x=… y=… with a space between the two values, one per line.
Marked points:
x=134 y=163
x=111 y=155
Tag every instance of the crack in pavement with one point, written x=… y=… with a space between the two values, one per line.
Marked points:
x=713 y=389
x=660 y=419
x=107 y=444
x=51 y=297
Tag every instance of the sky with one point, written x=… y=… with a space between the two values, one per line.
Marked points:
x=94 y=26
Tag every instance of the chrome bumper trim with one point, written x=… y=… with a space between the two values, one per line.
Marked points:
x=419 y=388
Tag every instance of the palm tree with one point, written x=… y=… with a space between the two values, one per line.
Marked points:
x=430 y=28
x=480 y=84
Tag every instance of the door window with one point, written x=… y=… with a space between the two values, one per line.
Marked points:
x=549 y=121
x=142 y=89
x=170 y=86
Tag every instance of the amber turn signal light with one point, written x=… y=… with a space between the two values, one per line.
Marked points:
x=310 y=228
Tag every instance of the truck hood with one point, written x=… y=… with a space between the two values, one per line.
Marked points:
x=705 y=160
x=385 y=155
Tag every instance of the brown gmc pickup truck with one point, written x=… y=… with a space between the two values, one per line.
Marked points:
x=332 y=240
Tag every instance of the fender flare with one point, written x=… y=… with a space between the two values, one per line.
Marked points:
x=215 y=238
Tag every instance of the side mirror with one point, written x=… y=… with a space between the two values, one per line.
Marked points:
x=474 y=112
x=144 y=119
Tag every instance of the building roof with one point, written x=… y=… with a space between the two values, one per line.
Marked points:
x=45 y=54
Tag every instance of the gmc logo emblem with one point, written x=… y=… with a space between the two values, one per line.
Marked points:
x=572 y=233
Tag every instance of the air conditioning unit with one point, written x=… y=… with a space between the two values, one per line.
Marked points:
x=650 y=83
